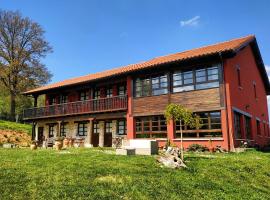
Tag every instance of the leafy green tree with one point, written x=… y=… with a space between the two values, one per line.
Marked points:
x=179 y=113
x=22 y=45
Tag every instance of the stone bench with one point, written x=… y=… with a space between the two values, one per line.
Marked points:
x=125 y=151
x=143 y=147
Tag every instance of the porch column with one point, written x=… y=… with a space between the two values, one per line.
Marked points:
x=101 y=134
x=170 y=130
x=114 y=130
x=58 y=128
x=34 y=130
x=35 y=100
x=129 y=117
x=88 y=140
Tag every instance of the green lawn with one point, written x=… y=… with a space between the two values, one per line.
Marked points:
x=6 y=125
x=94 y=174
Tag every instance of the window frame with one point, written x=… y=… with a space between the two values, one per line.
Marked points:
x=109 y=92
x=147 y=121
x=83 y=95
x=51 y=130
x=255 y=90
x=122 y=92
x=239 y=76
x=63 y=129
x=248 y=127
x=123 y=127
x=258 y=127
x=197 y=132
x=194 y=85
x=52 y=100
x=96 y=128
x=84 y=129
x=96 y=93
x=108 y=127
x=146 y=85
x=63 y=99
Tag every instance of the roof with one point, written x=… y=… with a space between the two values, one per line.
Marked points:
x=223 y=47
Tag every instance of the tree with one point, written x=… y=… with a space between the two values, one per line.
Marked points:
x=184 y=116
x=22 y=45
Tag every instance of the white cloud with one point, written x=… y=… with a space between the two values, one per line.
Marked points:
x=191 y=22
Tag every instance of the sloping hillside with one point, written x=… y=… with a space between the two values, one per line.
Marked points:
x=16 y=133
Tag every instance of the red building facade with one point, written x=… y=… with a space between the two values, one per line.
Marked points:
x=225 y=84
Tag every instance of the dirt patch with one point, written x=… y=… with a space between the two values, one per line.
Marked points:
x=14 y=137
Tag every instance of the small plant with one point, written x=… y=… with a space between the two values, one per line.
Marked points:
x=243 y=144
x=197 y=148
x=179 y=113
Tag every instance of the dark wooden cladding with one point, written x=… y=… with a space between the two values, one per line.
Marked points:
x=79 y=107
x=150 y=105
x=199 y=100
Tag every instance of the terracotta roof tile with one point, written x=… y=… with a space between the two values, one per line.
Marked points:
x=231 y=45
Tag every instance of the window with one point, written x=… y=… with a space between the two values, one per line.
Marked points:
x=82 y=129
x=96 y=127
x=258 y=124
x=160 y=85
x=52 y=100
x=122 y=90
x=183 y=81
x=248 y=127
x=151 y=86
x=84 y=96
x=201 y=78
x=96 y=94
x=210 y=126
x=255 y=90
x=109 y=92
x=108 y=127
x=237 y=126
x=63 y=98
x=51 y=130
x=238 y=76
x=207 y=78
x=151 y=127
x=63 y=129
x=121 y=127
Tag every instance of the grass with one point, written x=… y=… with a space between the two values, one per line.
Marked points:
x=7 y=125
x=95 y=174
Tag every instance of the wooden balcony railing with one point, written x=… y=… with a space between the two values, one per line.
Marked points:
x=78 y=107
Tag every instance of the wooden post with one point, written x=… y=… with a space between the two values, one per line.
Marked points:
x=58 y=128
x=88 y=140
x=34 y=130
x=35 y=100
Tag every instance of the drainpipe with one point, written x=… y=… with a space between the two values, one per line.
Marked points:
x=226 y=105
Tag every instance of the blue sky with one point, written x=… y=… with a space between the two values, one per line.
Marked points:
x=93 y=35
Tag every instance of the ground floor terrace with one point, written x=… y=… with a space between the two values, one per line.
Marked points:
x=111 y=129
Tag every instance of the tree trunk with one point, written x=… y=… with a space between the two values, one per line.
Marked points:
x=12 y=106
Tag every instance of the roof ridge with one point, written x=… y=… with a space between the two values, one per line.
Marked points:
x=217 y=43
x=124 y=66
x=232 y=44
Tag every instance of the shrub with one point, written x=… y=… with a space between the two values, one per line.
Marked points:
x=197 y=148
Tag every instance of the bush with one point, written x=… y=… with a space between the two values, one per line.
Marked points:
x=197 y=148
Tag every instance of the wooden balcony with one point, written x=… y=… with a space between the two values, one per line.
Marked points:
x=110 y=104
